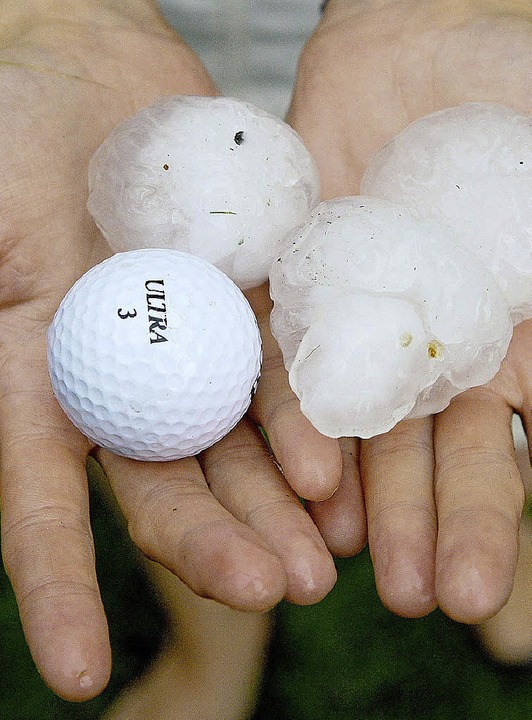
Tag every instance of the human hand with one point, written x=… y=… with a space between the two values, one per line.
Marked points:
x=228 y=525
x=443 y=495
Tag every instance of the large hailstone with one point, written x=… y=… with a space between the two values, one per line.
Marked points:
x=470 y=167
x=215 y=177
x=381 y=314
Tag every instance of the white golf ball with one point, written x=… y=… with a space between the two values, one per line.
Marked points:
x=381 y=314
x=470 y=167
x=212 y=176
x=154 y=354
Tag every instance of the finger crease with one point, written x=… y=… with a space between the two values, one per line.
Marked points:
x=51 y=588
x=404 y=508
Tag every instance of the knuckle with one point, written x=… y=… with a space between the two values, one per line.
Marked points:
x=45 y=589
x=410 y=437
x=480 y=517
x=33 y=526
x=473 y=456
x=272 y=363
x=272 y=511
x=495 y=467
x=283 y=409
x=220 y=462
x=388 y=515
x=154 y=516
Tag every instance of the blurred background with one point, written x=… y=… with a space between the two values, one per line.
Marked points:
x=250 y=47
x=347 y=658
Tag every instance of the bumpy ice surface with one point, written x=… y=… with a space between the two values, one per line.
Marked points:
x=215 y=177
x=381 y=315
x=154 y=354
x=471 y=168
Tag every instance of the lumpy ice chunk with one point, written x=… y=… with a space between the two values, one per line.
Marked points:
x=334 y=370
x=381 y=314
x=215 y=177
x=469 y=167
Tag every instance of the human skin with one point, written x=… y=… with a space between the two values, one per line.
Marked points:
x=227 y=524
x=443 y=495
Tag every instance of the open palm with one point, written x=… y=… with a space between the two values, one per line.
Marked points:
x=443 y=495
x=64 y=84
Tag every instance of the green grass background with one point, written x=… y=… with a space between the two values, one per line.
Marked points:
x=347 y=658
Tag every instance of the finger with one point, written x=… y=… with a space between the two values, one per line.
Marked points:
x=479 y=495
x=397 y=472
x=244 y=478
x=174 y=519
x=517 y=362
x=311 y=462
x=341 y=519
x=46 y=537
x=48 y=554
x=523 y=449
x=526 y=419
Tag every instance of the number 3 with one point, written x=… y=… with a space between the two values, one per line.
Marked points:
x=124 y=314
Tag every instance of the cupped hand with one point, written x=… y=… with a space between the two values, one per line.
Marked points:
x=443 y=495
x=228 y=525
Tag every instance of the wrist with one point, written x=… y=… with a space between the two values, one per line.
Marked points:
x=14 y=13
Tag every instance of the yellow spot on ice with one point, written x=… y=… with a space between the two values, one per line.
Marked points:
x=435 y=349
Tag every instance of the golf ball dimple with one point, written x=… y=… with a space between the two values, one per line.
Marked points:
x=469 y=167
x=213 y=176
x=154 y=354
